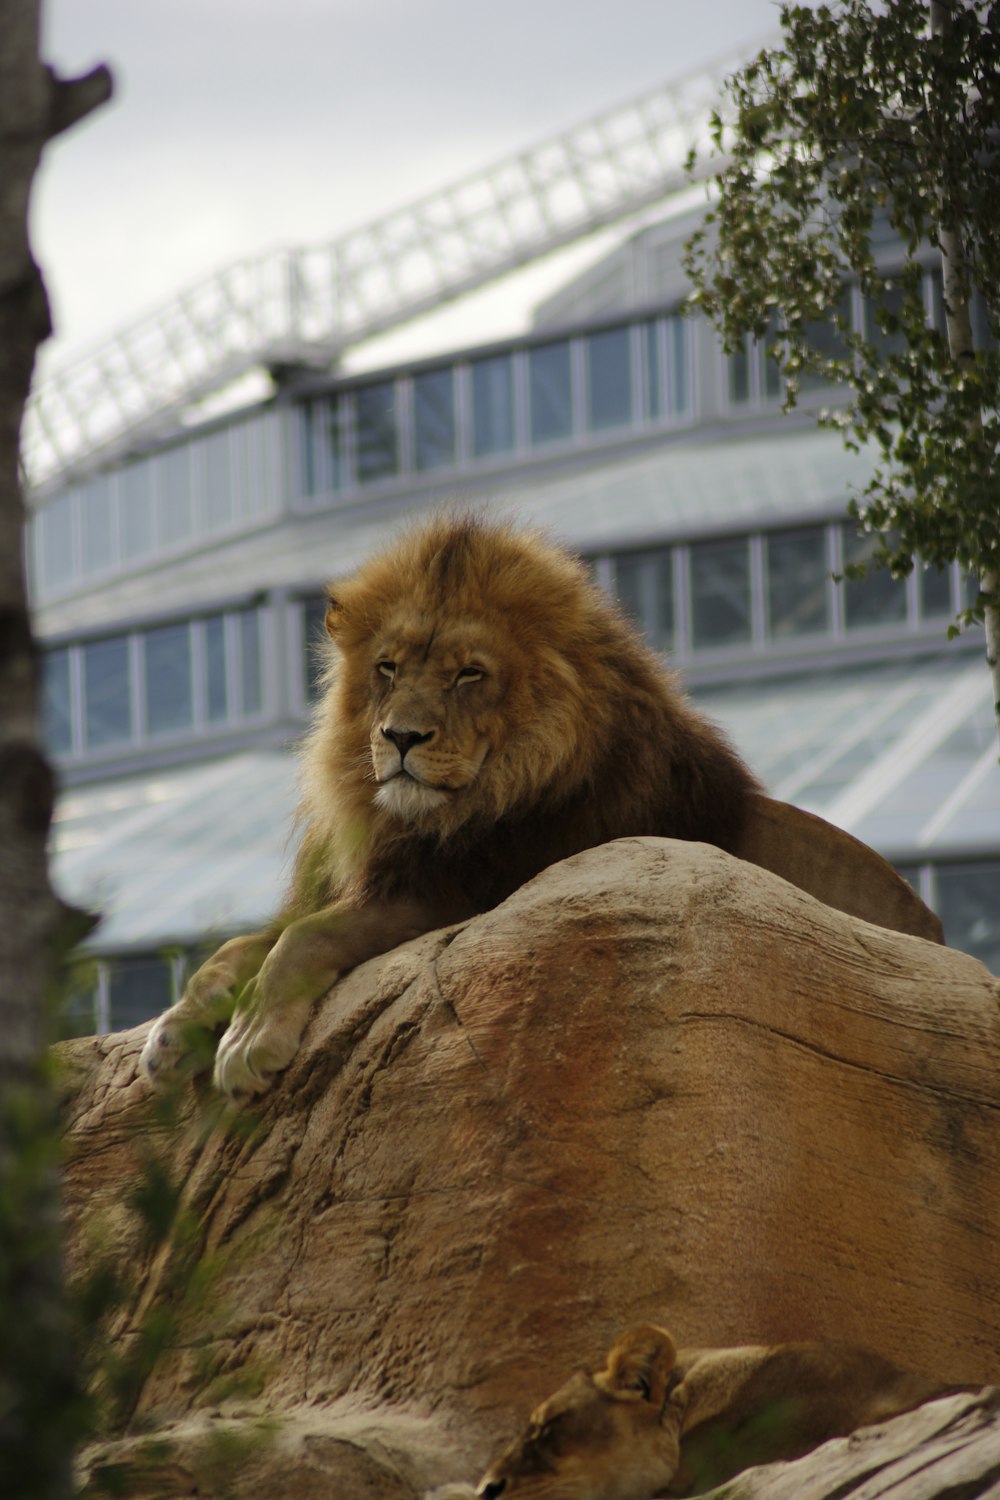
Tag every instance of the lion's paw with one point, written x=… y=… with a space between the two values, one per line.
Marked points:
x=175 y=1048
x=257 y=1046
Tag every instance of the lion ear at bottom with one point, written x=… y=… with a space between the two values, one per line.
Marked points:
x=641 y=1360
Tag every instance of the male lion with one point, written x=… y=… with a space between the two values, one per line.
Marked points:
x=658 y=1421
x=487 y=712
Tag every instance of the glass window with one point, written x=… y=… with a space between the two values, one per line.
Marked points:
x=966 y=902
x=720 y=593
x=434 y=419
x=217 y=481
x=609 y=378
x=644 y=584
x=216 y=674
x=876 y=599
x=137 y=520
x=968 y=590
x=651 y=368
x=550 y=392
x=140 y=988
x=798 y=582
x=174 y=501
x=107 y=693
x=983 y=336
x=168 y=678
x=826 y=338
x=313 y=634
x=377 y=440
x=256 y=464
x=322 y=446
x=251 y=683
x=97 y=525
x=58 y=557
x=738 y=364
x=678 y=364
x=492 y=405
x=628 y=586
x=308 y=448
x=753 y=374
x=934 y=591
x=57 y=709
x=770 y=375
x=937 y=317
x=891 y=303
x=77 y=1006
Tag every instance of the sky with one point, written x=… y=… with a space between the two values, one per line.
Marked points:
x=240 y=126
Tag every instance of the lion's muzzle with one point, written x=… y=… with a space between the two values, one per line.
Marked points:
x=405 y=739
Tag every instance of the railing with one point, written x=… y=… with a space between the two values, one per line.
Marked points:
x=306 y=306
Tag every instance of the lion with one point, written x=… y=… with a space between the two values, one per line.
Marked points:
x=486 y=712
x=661 y=1422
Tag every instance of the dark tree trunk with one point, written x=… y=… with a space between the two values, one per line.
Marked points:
x=37 y=1399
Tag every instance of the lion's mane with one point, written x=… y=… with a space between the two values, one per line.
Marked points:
x=589 y=737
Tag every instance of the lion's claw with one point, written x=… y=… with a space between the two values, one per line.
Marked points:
x=257 y=1047
x=165 y=1051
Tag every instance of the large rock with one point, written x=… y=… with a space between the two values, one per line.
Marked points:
x=948 y=1449
x=656 y=1084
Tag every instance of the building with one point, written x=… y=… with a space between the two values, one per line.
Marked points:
x=178 y=576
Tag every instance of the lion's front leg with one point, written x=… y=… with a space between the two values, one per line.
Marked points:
x=181 y=1040
x=270 y=1015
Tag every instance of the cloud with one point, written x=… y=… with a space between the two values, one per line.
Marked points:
x=240 y=125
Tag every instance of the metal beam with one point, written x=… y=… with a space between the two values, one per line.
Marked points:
x=312 y=304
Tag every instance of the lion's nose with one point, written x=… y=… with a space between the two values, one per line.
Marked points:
x=405 y=739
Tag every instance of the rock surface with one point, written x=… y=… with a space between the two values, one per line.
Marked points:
x=656 y=1084
x=948 y=1448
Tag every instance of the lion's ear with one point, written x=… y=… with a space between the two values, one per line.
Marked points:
x=641 y=1360
x=334 y=617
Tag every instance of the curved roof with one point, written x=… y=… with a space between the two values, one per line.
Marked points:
x=305 y=307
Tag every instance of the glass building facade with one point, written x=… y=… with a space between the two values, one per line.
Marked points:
x=180 y=596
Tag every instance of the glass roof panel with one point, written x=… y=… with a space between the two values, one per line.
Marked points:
x=169 y=857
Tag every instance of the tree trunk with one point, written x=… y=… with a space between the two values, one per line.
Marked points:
x=37 y=1398
x=961 y=345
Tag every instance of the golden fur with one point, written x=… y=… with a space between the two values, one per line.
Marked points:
x=658 y=1421
x=486 y=712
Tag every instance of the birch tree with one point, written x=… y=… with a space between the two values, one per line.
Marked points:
x=38 y=1397
x=874 y=117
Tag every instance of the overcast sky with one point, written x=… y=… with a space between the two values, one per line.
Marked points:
x=244 y=125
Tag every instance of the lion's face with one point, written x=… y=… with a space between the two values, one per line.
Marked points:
x=613 y=1435
x=462 y=686
x=435 y=699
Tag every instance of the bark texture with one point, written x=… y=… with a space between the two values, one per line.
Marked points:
x=38 y=1409
x=656 y=1084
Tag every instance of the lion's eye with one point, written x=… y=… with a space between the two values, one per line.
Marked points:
x=640 y=1384
x=468 y=674
x=386 y=669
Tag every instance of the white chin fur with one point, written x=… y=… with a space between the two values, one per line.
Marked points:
x=407 y=799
